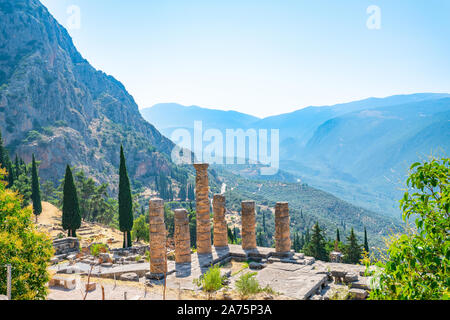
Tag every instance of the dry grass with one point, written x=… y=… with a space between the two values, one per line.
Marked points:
x=50 y=223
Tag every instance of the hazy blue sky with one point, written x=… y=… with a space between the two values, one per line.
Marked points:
x=263 y=57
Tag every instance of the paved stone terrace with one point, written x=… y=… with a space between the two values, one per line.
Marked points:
x=294 y=276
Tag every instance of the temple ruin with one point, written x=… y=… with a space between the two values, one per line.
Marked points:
x=285 y=271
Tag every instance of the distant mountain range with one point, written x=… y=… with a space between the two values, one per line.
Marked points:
x=359 y=151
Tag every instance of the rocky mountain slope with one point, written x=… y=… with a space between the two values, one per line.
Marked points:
x=55 y=104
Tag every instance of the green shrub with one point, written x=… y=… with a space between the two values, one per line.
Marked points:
x=416 y=263
x=21 y=245
x=247 y=285
x=97 y=248
x=210 y=281
x=33 y=135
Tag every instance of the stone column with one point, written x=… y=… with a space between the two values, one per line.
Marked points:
x=157 y=238
x=202 y=208
x=220 y=225
x=182 y=237
x=248 y=225
x=282 y=232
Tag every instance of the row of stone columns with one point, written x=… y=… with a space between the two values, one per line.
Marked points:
x=182 y=234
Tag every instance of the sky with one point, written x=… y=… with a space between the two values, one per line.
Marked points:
x=263 y=57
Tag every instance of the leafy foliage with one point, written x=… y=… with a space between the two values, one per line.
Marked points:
x=98 y=248
x=247 y=284
x=140 y=229
x=416 y=265
x=27 y=250
x=211 y=280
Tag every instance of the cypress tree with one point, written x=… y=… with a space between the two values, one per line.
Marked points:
x=71 y=216
x=11 y=175
x=338 y=237
x=230 y=235
x=352 y=252
x=191 y=193
x=366 y=243
x=35 y=190
x=129 y=241
x=264 y=222
x=125 y=201
x=182 y=193
x=17 y=168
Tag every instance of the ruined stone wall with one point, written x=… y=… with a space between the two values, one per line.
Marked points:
x=66 y=246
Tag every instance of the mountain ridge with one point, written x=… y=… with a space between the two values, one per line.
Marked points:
x=55 y=104
x=312 y=140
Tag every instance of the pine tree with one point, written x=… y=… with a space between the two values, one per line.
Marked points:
x=307 y=236
x=71 y=217
x=17 y=168
x=316 y=247
x=352 y=252
x=125 y=200
x=366 y=243
x=35 y=190
x=170 y=193
x=296 y=242
x=230 y=235
x=193 y=227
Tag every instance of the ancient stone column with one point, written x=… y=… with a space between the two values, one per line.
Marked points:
x=248 y=225
x=202 y=208
x=282 y=231
x=157 y=238
x=220 y=224
x=182 y=237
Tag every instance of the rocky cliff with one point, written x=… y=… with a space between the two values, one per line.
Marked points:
x=55 y=104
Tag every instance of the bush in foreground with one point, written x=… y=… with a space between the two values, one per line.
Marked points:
x=27 y=250
x=416 y=264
